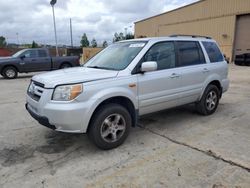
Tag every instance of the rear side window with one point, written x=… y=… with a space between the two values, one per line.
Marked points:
x=42 y=53
x=213 y=52
x=189 y=53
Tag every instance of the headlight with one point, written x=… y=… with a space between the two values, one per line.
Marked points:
x=67 y=92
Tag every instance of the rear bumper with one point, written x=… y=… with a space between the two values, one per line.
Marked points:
x=42 y=120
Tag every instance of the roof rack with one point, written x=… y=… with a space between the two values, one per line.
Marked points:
x=193 y=36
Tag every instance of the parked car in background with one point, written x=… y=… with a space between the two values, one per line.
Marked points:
x=126 y=80
x=242 y=59
x=33 y=60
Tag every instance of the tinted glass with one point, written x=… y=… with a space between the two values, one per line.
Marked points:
x=29 y=53
x=42 y=53
x=117 y=56
x=162 y=53
x=213 y=52
x=189 y=53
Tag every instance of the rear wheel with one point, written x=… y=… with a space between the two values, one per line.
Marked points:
x=9 y=72
x=65 y=66
x=209 y=101
x=110 y=126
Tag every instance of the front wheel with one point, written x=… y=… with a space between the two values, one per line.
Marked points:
x=9 y=72
x=209 y=101
x=110 y=126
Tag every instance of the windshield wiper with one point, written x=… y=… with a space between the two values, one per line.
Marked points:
x=98 y=67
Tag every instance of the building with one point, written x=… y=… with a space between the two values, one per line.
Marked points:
x=227 y=21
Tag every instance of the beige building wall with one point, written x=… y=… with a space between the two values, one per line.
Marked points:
x=215 y=18
x=89 y=53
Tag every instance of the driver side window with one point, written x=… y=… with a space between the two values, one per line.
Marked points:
x=29 y=54
x=163 y=53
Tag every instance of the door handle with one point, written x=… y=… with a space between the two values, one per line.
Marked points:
x=205 y=70
x=174 y=75
x=33 y=60
x=22 y=63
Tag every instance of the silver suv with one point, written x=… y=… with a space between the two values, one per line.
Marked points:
x=126 y=80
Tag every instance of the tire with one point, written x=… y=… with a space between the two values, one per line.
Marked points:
x=9 y=72
x=209 y=101
x=110 y=126
x=65 y=66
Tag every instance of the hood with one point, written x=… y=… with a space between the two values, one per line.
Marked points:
x=6 y=58
x=73 y=75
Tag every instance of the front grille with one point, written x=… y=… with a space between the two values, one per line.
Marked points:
x=35 y=90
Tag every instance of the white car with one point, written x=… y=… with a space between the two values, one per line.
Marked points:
x=126 y=80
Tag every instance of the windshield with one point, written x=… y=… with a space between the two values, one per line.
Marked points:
x=117 y=56
x=18 y=53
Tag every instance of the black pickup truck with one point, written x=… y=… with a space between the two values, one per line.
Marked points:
x=33 y=60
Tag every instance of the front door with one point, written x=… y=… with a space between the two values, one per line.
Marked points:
x=159 y=89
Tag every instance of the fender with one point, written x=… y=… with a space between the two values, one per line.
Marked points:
x=211 y=78
x=106 y=94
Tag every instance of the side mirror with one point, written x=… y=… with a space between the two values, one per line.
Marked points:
x=148 y=66
x=22 y=56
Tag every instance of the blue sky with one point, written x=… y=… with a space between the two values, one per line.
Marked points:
x=100 y=19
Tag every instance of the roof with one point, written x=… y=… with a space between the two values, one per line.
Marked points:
x=199 y=1
x=172 y=37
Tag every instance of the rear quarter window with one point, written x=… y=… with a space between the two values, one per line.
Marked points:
x=213 y=52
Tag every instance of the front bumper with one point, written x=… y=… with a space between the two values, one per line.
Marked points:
x=42 y=120
x=69 y=117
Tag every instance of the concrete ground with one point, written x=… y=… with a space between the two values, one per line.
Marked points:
x=173 y=148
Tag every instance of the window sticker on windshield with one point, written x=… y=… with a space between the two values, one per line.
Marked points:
x=137 y=45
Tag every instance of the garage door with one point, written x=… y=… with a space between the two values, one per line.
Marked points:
x=242 y=40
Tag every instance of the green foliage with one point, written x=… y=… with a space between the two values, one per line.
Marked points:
x=104 y=44
x=3 y=42
x=94 y=43
x=34 y=45
x=118 y=37
x=130 y=36
x=84 y=41
x=121 y=36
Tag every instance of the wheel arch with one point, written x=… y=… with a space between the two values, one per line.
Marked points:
x=121 y=100
x=66 y=63
x=215 y=82
x=9 y=65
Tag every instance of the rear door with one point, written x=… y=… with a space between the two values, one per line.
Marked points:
x=193 y=68
x=43 y=61
x=159 y=89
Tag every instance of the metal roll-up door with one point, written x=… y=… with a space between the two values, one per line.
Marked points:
x=242 y=40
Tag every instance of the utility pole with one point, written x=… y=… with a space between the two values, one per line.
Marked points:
x=126 y=32
x=17 y=37
x=52 y=3
x=71 y=38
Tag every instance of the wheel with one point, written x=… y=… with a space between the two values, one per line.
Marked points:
x=110 y=126
x=65 y=65
x=209 y=101
x=9 y=72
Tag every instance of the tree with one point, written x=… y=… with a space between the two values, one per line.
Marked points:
x=104 y=44
x=121 y=36
x=129 y=36
x=34 y=45
x=84 y=41
x=118 y=37
x=2 y=41
x=94 y=43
